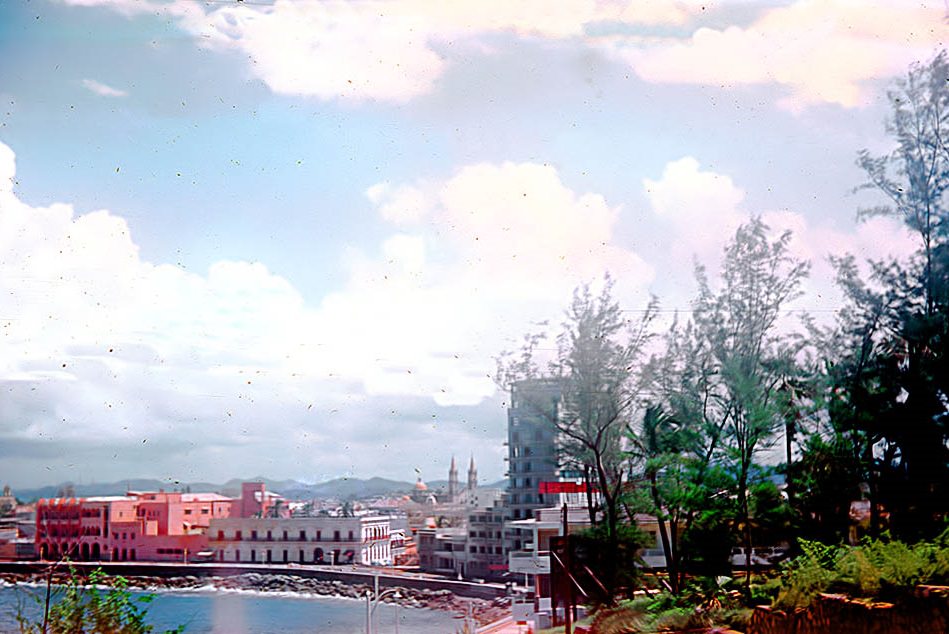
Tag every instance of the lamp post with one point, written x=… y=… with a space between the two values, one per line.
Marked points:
x=373 y=603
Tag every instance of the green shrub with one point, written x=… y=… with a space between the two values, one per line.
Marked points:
x=734 y=618
x=875 y=568
x=82 y=606
x=764 y=593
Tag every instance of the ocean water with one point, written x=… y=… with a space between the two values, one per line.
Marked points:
x=205 y=611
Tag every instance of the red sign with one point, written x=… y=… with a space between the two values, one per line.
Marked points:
x=497 y=567
x=562 y=487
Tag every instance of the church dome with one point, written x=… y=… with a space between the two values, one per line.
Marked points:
x=421 y=486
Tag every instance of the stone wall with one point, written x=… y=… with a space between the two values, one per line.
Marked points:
x=925 y=612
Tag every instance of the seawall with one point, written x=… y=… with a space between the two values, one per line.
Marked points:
x=347 y=575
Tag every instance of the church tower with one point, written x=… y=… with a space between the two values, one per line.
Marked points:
x=472 y=475
x=453 y=481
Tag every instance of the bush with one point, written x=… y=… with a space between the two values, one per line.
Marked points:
x=84 y=607
x=764 y=593
x=876 y=568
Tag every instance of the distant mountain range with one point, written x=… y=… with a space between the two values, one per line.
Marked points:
x=341 y=488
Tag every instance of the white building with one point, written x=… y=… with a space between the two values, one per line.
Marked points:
x=305 y=540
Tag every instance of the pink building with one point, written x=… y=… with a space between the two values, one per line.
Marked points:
x=144 y=526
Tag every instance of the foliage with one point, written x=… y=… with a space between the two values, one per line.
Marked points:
x=827 y=477
x=98 y=604
x=876 y=568
x=752 y=362
x=598 y=355
x=886 y=364
x=721 y=390
x=704 y=602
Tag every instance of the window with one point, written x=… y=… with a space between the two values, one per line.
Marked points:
x=253 y=536
x=204 y=511
x=269 y=536
x=220 y=535
x=319 y=535
x=237 y=536
x=187 y=511
x=335 y=536
x=285 y=536
x=302 y=536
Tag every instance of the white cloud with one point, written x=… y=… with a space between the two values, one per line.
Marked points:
x=822 y=51
x=701 y=206
x=701 y=209
x=404 y=204
x=383 y=50
x=100 y=346
x=103 y=90
x=501 y=245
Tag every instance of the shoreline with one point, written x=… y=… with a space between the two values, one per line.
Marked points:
x=484 y=611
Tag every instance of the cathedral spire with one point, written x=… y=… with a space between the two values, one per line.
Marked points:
x=472 y=475
x=452 y=480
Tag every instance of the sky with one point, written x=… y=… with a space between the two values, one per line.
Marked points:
x=290 y=238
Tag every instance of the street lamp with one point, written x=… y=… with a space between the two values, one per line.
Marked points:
x=373 y=603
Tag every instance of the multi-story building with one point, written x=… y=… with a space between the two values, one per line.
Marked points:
x=306 y=540
x=442 y=550
x=532 y=444
x=537 y=477
x=146 y=526
x=485 y=545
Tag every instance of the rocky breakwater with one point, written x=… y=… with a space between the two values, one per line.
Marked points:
x=482 y=610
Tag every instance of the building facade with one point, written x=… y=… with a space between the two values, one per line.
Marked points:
x=532 y=445
x=485 y=546
x=142 y=526
x=303 y=540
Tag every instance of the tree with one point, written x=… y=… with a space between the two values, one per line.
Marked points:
x=750 y=360
x=597 y=368
x=664 y=472
x=888 y=381
x=828 y=476
x=598 y=358
x=672 y=447
x=915 y=175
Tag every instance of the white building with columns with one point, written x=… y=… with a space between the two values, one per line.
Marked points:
x=302 y=540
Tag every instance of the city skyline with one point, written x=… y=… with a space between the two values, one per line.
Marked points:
x=290 y=238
